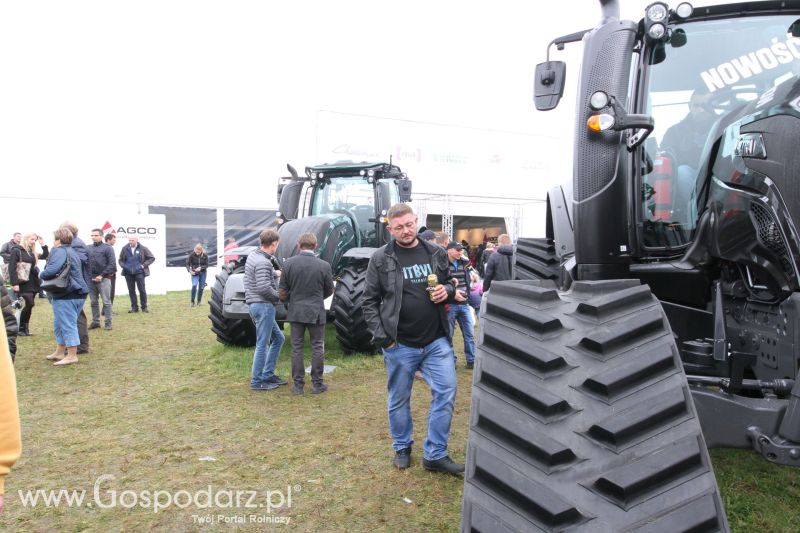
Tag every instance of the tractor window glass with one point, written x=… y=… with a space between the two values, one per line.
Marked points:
x=707 y=73
x=353 y=197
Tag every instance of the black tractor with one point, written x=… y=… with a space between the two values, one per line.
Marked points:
x=660 y=313
x=345 y=206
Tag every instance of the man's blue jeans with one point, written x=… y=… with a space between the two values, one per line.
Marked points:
x=436 y=362
x=267 y=332
x=463 y=313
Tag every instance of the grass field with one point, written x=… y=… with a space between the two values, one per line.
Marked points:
x=158 y=397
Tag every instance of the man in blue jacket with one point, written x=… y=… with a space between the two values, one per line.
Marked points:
x=102 y=265
x=135 y=260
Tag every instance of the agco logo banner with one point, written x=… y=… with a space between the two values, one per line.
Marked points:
x=126 y=231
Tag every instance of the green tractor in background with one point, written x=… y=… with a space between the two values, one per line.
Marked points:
x=345 y=206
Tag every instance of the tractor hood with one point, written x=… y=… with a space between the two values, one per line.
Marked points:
x=334 y=232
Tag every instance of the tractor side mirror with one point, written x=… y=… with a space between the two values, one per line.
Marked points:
x=548 y=84
x=404 y=188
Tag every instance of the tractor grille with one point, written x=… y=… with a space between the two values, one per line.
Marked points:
x=770 y=236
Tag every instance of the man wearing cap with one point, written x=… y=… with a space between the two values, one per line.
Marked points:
x=428 y=235
x=458 y=269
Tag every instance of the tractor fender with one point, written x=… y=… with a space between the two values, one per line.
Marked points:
x=233 y=301
x=360 y=253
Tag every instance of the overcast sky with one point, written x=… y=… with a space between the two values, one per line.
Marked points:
x=198 y=102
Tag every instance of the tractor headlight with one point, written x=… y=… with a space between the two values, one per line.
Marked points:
x=655 y=21
x=598 y=100
x=656 y=12
x=656 y=31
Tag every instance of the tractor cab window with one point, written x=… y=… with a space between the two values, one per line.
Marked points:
x=707 y=72
x=353 y=197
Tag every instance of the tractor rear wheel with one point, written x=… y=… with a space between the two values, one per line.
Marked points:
x=536 y=259
x=348 y=298
x=581 y=416
x=229 y=331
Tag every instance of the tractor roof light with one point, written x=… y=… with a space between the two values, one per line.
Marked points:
x=600 y=122
x=656 y=31
x=656 y=16
x=684 y=10
x=362 y=172
x=656 y=12
x=371 y=172
x=313 y=175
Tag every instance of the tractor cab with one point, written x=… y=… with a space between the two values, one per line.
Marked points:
x=348 y=199
x=703 y=74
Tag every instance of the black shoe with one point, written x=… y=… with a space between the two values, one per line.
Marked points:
x=264 y=386
x=319 y=389
x=23 y=333
x=94 y=326
x=470 y=366
x=402 y=458
x=81 y=352
x=192 y=304
x=445 y=464
x=133 y=310
x=108 y=327
x=275 y=378
x=297 y=389
x=145 y=310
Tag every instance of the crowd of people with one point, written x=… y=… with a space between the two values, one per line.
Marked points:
x=418 y=287
x=73 y=271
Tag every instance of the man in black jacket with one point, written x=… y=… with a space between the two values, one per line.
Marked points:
x=102 y=265
x=406 y=316
x=499 y=266
x=305 y=283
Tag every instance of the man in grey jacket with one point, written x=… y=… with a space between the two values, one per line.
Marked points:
x=261 y=295
x=305 y=283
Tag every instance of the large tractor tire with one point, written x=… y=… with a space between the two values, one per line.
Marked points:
x=348 y=298
x=229 y=331
x=536 y=259
x=582 y=419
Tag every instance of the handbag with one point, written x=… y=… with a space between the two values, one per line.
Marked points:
x=60 y=283
x=23 y=271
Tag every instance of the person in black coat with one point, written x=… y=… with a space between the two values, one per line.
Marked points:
x=24 y=255
x=499 y=267
x=305 y=283
x=197 y=265
x=10 y=320
x=102 y=266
